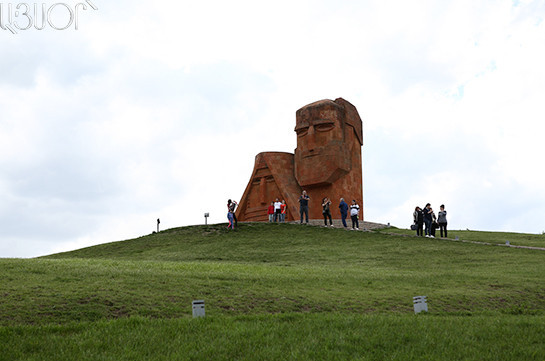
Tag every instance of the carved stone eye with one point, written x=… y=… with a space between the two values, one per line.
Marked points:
x=324 y=127
x=302 y=131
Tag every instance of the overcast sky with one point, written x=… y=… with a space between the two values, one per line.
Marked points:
x=157 y=109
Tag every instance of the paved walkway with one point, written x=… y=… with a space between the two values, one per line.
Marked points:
x=474 y=242
x=337 y=223
x=369 y=226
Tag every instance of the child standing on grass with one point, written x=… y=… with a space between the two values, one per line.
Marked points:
x=354 y=212
x=270 y=212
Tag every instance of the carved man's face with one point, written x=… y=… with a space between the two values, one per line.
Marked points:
x=321 y=156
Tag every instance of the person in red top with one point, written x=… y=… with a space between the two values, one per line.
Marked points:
x=283 y=211
x=270 y=212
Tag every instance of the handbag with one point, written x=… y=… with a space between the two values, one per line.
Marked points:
x=413 y=227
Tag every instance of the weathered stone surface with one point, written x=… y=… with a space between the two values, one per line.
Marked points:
x=327 y=163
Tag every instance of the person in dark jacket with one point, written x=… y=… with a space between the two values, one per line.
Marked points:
x=418 y=216
x=427 y=219
x=343 y=207
x=303 y=206
x=442 y=220
x=326 y=202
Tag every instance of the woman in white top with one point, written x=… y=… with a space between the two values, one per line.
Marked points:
x=354 y=212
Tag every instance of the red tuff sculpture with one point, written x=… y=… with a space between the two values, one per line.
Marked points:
x=327 y=163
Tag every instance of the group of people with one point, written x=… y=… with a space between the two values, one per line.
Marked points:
x=428 y=218
x=326 y=210
x=277 y=211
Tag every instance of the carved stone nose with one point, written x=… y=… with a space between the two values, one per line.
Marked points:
x=311 y=140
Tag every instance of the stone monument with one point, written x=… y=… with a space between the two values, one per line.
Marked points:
x=327 y=163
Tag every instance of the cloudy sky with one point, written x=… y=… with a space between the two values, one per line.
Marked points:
x=157 y=109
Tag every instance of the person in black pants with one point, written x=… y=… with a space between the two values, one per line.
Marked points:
x=326 y=211
x=419 y=221
x=434 y=224
x=427 y=220
x=303 y=205
x=354 y=212
x=442 y=220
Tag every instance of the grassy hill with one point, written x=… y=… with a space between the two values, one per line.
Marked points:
x=278 y=291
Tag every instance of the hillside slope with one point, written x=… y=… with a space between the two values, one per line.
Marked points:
x=270 y=268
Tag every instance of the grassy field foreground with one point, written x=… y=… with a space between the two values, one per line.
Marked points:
x=274 y=292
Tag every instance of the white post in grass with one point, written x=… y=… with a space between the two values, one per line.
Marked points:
x=420 y=304
x=198 y=308
x=206 y=218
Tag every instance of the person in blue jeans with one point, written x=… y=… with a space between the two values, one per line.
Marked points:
x=343 y=207
x=230 y=217
x=427 y=219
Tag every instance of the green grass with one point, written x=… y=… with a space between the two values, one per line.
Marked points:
x=273 y=290
x=283 y=337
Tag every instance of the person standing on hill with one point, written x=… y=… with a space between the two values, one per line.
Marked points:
x=270 y=212
x=303 y=206
x=231 y=206
x=442 y=220
x=434 y=224
x=283 y=211
x=230 y=216
x=343 y=207
x=277 y=209
x=354 y=212
x=418 y=216
x=427 y=220
x=326 y=202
